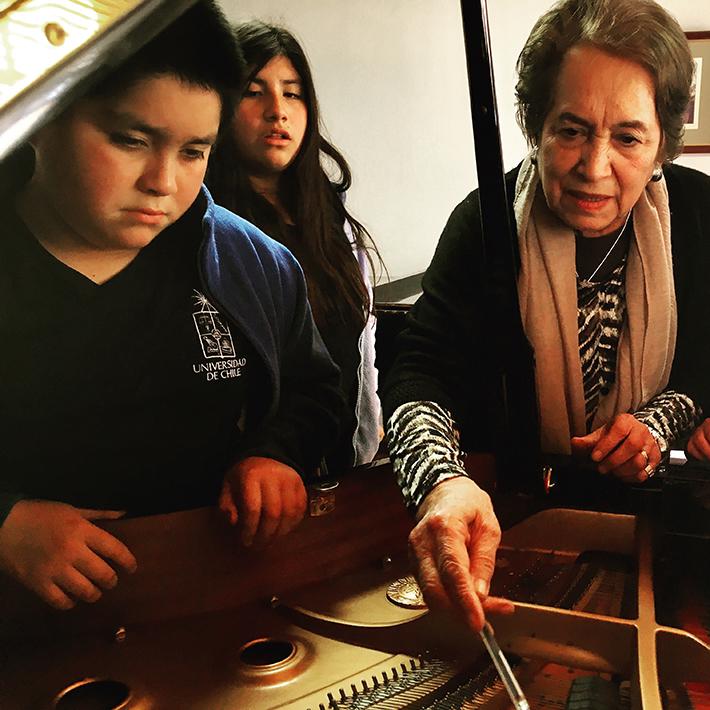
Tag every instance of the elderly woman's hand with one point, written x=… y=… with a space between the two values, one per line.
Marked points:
x=699 y=443
x=454 y=548
x=623 y=447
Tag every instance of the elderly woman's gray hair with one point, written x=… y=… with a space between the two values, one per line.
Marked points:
x=639 y=30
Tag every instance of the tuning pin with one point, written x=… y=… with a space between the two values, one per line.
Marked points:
x=375 y=682
x=343 y=696
x=395 y=675
x=354 y=689
x=385 y=678
x=413 y=664
x=364 y=686
x=404 y=668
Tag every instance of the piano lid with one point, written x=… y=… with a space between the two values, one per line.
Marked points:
x=50 y=52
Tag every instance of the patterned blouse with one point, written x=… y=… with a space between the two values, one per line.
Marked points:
x=423 y=438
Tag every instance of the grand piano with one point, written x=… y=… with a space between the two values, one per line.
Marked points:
x=612 y=594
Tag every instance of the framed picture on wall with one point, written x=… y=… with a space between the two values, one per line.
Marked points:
x=697 y=123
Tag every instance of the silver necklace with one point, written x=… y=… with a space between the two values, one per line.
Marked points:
x=606 y=256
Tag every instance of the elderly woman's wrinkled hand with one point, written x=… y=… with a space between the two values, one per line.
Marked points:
x=454 y=548
x=623 y=447
x=699 y=443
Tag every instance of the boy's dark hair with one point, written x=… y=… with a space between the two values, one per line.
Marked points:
x=198 y=47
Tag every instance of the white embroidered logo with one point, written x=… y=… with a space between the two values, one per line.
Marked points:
x=214 y=333
x=217 y=344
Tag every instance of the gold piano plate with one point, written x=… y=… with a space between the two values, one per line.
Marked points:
x=360 y=598
x=406 y=592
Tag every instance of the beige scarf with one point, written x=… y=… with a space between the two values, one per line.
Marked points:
x=547 y=291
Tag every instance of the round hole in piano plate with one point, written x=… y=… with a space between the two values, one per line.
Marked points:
x=267 y=653
x=94 y=694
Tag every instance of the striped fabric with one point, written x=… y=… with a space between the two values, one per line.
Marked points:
x=669 y=416
x=600 y=316
x=424 y=448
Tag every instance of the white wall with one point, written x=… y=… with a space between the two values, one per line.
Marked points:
x=391 y=80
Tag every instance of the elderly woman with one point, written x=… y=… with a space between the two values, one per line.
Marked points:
x=613 y=245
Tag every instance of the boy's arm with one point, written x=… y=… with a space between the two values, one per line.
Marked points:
x=310 y=407
x=265 y=488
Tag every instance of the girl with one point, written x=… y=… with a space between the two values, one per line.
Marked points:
x=269 y=170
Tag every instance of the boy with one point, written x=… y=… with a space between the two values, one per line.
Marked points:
x=154 y=341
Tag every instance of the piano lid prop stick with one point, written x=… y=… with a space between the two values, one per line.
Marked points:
x=504 y=670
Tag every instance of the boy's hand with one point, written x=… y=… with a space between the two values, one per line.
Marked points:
x=266 y=497
x=54 y=550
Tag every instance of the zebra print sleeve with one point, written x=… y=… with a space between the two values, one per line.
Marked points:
x=669 y=416
x=424 y=449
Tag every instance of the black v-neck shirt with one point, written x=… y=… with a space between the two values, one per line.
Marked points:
x=126 y=395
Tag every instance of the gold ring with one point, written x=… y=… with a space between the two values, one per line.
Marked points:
x=648 y=470
x=644 y=453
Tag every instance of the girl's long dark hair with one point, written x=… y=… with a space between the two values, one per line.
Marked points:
x=312 y=200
